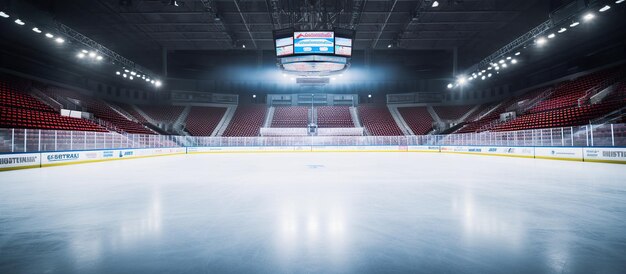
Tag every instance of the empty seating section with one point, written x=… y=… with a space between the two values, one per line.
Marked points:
x=165 y=114
x=566 y=94
x=133 y=112
x=452 y=112
x=103 y=111
x=290 y=117
x=334 y=116
x=484 y=122
x=418 y=119
x=247 y=121
x=28 y=118
x=202 y=121
x=20 y=110
x=378 y=121
x=559 y=117
x=9 y=96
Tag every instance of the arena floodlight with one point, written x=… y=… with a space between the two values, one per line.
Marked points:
x=497 y=68
x=562 y=30
x=552 y=35
x=514 y=61
x=117 y=73
x=84 y=51
x=127 y=71
x=253 y=95
x=517 y=53
x=508 y=58
x=147 y=79
x=461 y=80
x=60 y=40
x=541 y=41
x=243 y=46
x=37 y=30
x=389 y=46
x=157 y=83
x=133 y=73
x=605 y=8
x=574 y=24
x=489 y=75
x=92 y=55
x=483 y=78
x=152 y=82
x=501 y=61
x=131 y=77
x=435 y=4
x=19 y=22
x=483 y=71
x=80 y=55
x=504 y=65
x=125 y=75
x=588 y=17
x=4 y=14
x=619 y=1
x=48 y=35
x=99 y=58
x=369 y=96
x=450 y=86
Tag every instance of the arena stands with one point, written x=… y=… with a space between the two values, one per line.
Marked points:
x=20 y=110
x=133 y=112
x=452 y=112
x=247 y=121
x=334 y=116
x=566 y=94
x=202 y=121
x=101 y=110
x=163 y=114
x=286 y=117
x=378 y=121
x=418 y=119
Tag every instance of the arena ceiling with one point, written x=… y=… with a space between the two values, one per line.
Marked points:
x=228 y=24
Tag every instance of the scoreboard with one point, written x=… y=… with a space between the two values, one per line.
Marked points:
x=290 y=43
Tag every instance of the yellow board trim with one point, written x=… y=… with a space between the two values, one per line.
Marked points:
x=558 y=158
x=18 y=167
x=489 y=154
x=107 y=160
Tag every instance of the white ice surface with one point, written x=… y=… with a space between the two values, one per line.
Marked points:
x=315 y=213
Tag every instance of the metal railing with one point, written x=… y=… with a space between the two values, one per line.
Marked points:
x=35 y=140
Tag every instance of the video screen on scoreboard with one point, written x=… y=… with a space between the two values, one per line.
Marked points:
x=314 y=42
x=343 y=46
x=283 y=51
x=284 y=46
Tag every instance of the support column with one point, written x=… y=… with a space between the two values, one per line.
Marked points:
x=164 y=61
x=455 y=60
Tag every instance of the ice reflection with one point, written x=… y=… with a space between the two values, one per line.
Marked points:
x=484 y=224
x=147 y=225
x=311 y=230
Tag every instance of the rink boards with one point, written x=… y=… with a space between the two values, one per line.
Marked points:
x=33 y=160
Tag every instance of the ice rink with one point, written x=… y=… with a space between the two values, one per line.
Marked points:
x=315 y=213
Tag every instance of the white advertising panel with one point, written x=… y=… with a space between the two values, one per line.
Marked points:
x=562 y=153
x=20 y=160
x=617 y=155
